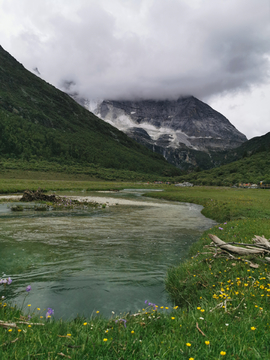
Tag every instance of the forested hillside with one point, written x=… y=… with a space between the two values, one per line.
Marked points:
x=250 y=169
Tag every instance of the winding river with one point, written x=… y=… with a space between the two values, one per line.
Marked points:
x=108 y=259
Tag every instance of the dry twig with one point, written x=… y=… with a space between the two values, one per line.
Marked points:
x=239 y=304
x=223 y=303
x=197 y=327
x=28 y=323
x=7 y=324
x=61 y=354
x=10 y=342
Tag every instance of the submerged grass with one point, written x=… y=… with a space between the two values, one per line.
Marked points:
x=221 y=303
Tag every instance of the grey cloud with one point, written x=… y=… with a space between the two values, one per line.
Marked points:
x=169 y=48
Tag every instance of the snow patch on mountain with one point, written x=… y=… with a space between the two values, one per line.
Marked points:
x=119 y=119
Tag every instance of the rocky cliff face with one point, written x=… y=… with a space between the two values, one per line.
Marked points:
x=180 y=130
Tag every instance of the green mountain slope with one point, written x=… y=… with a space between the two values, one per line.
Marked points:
x=40 y=123
x=250 y=169
x=215 y=159
x=254 y=145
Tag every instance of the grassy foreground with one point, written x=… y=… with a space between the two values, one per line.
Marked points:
x=221 y=303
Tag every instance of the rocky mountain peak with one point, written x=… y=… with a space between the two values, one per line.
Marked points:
x=185 y=131
x=187 y=120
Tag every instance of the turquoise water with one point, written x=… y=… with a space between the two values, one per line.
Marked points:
x=88 y=260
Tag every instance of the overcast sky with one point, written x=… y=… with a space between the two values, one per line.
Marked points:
x=216 y=50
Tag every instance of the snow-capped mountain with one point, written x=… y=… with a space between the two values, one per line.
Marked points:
x=186 y=121
x=180 y=130
x=186 y=131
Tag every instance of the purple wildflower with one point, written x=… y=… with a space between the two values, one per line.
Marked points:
x=225 y=223
x=6 y=281
x=220 y=228
x=154 y=306
x=49 y=313
x=122 y=320
x=28 y=288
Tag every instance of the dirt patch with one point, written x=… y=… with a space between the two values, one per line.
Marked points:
x=38 y=195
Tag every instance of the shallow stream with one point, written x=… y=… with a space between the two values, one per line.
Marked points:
x=108 y=259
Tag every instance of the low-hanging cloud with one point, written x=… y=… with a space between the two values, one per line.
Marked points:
x=142 y=48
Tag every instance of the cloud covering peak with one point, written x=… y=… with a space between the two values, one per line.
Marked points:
x=119 y=49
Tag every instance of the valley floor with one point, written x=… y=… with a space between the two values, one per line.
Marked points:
x=221 y=301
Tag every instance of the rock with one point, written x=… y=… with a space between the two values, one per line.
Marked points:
x=185 y=184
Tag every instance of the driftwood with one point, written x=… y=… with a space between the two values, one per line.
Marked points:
x=236 y=249
x=261 y=240
x=7 y=324
x=250 y=246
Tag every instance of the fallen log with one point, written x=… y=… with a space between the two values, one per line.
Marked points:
x=234 y=249
x=249 y=246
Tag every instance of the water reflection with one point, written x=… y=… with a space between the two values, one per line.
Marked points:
x=108 y=259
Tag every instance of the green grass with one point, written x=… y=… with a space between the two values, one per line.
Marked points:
x=227 y=299
x=18 y=185
x=222 y=203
